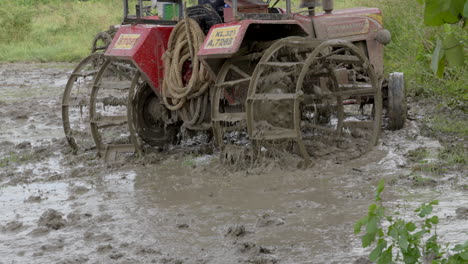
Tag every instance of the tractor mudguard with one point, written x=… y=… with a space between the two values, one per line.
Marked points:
x=359 y=24
x=144 y=45
x=224 y=40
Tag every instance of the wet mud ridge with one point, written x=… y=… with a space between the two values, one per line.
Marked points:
x=56 y=207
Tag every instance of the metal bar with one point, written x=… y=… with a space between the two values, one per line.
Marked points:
x=234 y=9
x=181 y=10
x=140 y=9
x=125 y=5
x=288 y=7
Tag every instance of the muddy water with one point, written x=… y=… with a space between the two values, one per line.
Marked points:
x=184 y=208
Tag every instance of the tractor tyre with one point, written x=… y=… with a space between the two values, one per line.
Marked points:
x=397 y=108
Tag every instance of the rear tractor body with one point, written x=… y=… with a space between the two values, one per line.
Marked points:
x=252 y=75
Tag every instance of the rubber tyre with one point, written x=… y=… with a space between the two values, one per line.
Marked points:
x=397 y=108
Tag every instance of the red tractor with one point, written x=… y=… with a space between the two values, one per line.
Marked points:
x=248 y=73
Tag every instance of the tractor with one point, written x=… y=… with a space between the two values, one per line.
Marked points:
x=247 y=73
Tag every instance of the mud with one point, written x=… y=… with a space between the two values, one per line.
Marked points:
x=179 y=207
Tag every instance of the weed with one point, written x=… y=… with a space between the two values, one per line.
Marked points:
x=418 y=155
x=189 y=161
x=455 y=154
x=420 y=181
x=447 y=125
x=398 y=240
x=14 y=158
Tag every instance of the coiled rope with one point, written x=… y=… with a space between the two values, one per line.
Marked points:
x=189 y=97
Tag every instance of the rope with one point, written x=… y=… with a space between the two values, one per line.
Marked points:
x=185 y=40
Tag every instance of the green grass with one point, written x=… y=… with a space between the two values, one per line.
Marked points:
x=53 y=30
x=14 y=158
x=454 y=125
x=454 y=155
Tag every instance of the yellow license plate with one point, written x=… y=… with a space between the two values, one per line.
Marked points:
x=221 y=38
x=126 y=41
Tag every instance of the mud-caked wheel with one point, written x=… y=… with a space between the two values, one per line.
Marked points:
x=397 y=108
x=75 y=103
x=108 y=113
x=338 y=76
x=228 y=111
x=101 y=41
x=150 y=123
x=322 y=95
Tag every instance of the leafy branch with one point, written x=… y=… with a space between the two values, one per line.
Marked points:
x=449 y=49
x=397 y=240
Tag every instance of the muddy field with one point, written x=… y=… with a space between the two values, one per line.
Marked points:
x=56 y=207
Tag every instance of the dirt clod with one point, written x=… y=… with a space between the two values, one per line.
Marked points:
x=104 y=248
x=268 y=220
x=12 y=226
x=236 y=231
x=462 y=212
x=116 y=255
x=24 y=145
x=52 y=219
x=362 y=260
x=34 y=199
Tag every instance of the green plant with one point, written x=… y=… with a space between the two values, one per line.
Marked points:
x=398 y=240
x=449 y=48
x=454 y=155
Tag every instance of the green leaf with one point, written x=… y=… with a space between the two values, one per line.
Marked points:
x=434 y=219
x=403 y=241
x=386 y=256
x=380 y=187
x=434 y=202
x=392 y=232
x=358 y=225
x=439 y=12
x=412 y=256
x=464 y=255
x=437 y=63
x=465 y=10
x=372 y=225
x=420 y=2
x=410 y=226
x=453 y=51
x=458 y=247
x=367 y=240
x=375 y=254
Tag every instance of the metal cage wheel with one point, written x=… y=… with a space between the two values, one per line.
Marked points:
x=228 y=101
x=108 y=113
x=349 y=85
x=75 y=99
